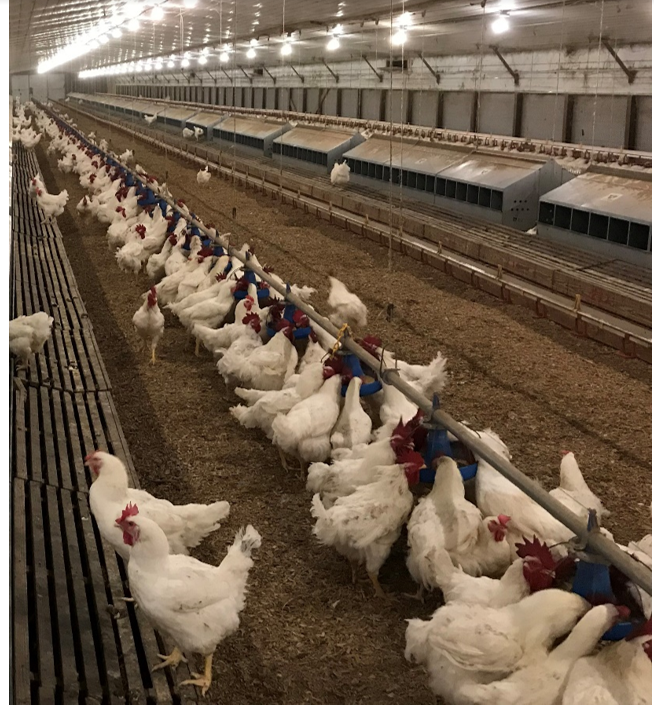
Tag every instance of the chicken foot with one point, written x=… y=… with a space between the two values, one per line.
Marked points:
x=379 y=592
x=154 y=357
x=419 y=594
x=202 y=680
x=172 y=660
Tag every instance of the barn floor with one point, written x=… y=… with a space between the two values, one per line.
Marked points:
x=307 y=635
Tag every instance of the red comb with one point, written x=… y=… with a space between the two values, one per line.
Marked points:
x=503 y=520
x=131 y=509
x=254 y=320
x=536 y=549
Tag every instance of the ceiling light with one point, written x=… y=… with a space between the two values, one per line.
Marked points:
x=171 y=64
x=132 y=9
x=224 y=57
x=103 y=39
x=333 y=44
x=94 y=44
x=404 y=20
x=286 y=49
x=256 y=22
x=501 y=25
x=251 y=54
x=190 y=3
x=399 y=37
x=185 y=63
x=133 y=25
x=139 y=67
x=202 y=60
x=254 y=42
x=338 y=29
x=116 y=33
x=156 y=14
x=158 y=66
x=339 y=13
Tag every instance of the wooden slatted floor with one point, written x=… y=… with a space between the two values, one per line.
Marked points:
x=74 y=641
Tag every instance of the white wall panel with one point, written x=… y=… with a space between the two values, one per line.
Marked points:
x=283 y=98
x=542 y=116
x=371 y=104
x=425 y=108
x=330 y=102
x=258 y=97
x=313 y=100
x=496 y=112
x=238 y=96
x=644 y=123
x=457 y=110
x=349 y=102
x=397 y=106
x=297 y=96
x=599 y=121
x=270 y=98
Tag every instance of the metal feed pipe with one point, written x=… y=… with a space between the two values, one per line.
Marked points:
x=595 y=541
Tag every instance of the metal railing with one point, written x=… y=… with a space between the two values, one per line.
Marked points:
x=594 y=541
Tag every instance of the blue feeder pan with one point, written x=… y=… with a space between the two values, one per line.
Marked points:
x=353 y=363
x=289 y=311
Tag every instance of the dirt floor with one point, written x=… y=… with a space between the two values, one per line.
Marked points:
x=307 y=635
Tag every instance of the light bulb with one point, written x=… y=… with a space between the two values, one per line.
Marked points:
x=185 y=63
x=205 y=50
x=202 y=60
x=133 y=25
x=251 y=53
x=337 y=30
x=333 y=44
x=404 y=20
x=399 y=37
x=103 y=39
x=171 y=64
x=190 y=3
x=224 y=57
x=286 y=49
x=158 y=66
x=254 y=42
x=116 y=33
x=501 y=25
x=132 y=9
x=139 y=68
x=156 y=14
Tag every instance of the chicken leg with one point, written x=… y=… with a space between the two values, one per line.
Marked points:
x=202 y=680
x=154 y=357
x=197 y=347
x=379 y=592
x=174 y=659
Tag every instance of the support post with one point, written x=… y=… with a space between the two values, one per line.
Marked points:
x=372 y=68
x=630 y=73
x=330 y=70
x=295 y=71
x=215 y=78
x=434 y=73
x=514 y=74
x=274 y=80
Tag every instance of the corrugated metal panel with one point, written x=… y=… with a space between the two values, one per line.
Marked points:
x=629 y=199
x=283 y=98
x=318 y=139
x=330 y=102
x=542 y=116
x=313 y=100
x=349 y=102
x=247 y=97
x=220 y=96
x=425 y=108
x=371 y=104
x=458 y=110
x=229 y=96
x=297 y=96
x=599 y=121
x=490 y=172
x=253 y=127
x=397 y=106
x=644 y=123
x=496 y=112
x=238 y=97
x=258 y=98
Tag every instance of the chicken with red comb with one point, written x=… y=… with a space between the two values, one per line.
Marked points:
x=149 y=322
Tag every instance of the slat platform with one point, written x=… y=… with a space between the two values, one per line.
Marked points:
x=74 y=640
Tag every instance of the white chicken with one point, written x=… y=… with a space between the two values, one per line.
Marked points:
x=203 y=176
x=340 y=174
x=463 y=645
x=53 y=205
x=149 y=322
x=198 y=132
x=573 y=491
x=127 y=157
x=149 y=119
x=445 y=519
x=184 y=526
x=303 y=432
x=28 y=334
x=619 y=674
x=364 y=526
x=187 y=133
x=29 y=138
x=347 y=307
x=542 y=682
x=196 y=604
x=354 y=425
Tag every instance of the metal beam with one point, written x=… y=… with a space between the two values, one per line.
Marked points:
x=372 y=68
x=434 y=73
x=592 y=540
x=226 y=74
x=631 y=73
x=330 y=70
x=274 y=80
x=296 y=72
x=245 y=73
x=215 y=78
x=513 y=72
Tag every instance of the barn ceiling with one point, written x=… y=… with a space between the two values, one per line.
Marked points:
x=39 y=29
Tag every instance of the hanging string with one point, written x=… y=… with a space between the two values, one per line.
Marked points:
x=599 y=68
x=390 y=184
x=482 y=45
x=403 y=91
x=558 y=77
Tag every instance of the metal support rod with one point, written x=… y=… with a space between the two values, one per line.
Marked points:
x=515 y=74
x=295 y=71
x=372 y=68
x=274 y=80
x=335 y=75
x=245 y=73
x=226 y=74
x=631 y=73
x=434 y=73
x=215 y=78
x=595 y=542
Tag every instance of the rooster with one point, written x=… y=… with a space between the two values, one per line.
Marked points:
x=27 y=336
x=196 y=604
x=149 y=322
x=203 y=176
x=184 y=527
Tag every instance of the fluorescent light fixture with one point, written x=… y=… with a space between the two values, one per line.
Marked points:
x=202 y=60
x=333 y=44
x=501 y=25
x=94 y=44
x=339 y=13
x=205 y=51
x=286 y=49
x=139 y=67
x=251 y=53
x=133 y=25
x=156 y=14
x=399 y=37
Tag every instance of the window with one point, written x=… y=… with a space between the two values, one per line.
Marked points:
x=599 y=226
x=440 y=186
x=618 y=230
x=473 y=194
x=450 y=188
x=496 y=200
x=639 y=236
x=484 y=197
x=461 y=191
x=562 y=217
x=580 y=221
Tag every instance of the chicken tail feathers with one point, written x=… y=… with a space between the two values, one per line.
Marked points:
x=247 y=539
